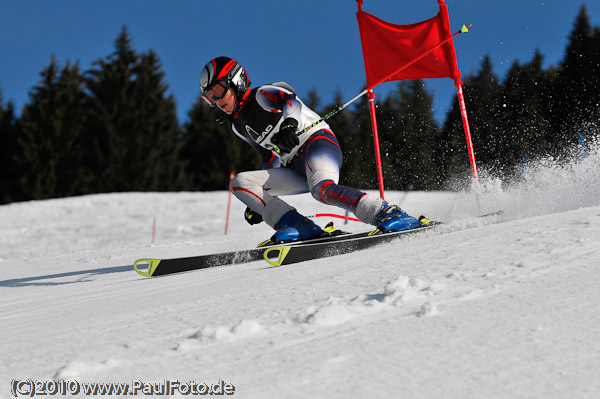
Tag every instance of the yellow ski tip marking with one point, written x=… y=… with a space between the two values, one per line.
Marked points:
x=152 y=265
x=278 y=258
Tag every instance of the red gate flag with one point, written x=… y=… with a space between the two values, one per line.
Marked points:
x=387 y=46
x=417 y=51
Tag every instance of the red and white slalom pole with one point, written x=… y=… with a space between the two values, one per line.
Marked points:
x=231 y=175
x=154 y=231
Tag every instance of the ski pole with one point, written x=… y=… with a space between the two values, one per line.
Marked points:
x=365 y=91
x=331 y=113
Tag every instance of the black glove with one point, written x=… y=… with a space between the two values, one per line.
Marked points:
x=252 y=217
x=286 y=139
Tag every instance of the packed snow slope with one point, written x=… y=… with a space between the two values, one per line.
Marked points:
x=485 y=310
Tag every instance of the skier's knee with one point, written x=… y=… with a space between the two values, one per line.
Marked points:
x=242 y=180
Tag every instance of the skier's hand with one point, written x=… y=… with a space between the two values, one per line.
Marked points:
x=252 y=217
x=286 y=139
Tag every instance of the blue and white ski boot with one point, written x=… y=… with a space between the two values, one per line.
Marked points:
x=293 y=227
x=392 y=218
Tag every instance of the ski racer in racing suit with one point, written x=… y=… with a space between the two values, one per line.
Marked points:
x=272 y=119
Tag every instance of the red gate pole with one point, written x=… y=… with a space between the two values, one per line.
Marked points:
x=231 y=175
x=463 y=113
x=154 y=231
x=376 y=143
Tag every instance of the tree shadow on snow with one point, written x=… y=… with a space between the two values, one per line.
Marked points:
x=39 y=280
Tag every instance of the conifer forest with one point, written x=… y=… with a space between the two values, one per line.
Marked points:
x=115 y=128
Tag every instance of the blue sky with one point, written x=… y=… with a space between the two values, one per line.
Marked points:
x=310 y=44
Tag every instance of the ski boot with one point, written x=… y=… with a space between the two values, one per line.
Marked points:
x=293 y=227
x=392 y=218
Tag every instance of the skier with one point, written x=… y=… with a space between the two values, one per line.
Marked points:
x=271 y=119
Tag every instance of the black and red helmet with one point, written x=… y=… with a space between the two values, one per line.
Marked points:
x=219 y=75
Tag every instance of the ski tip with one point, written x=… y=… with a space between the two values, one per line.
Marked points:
x=276 y=255
x=146 y=267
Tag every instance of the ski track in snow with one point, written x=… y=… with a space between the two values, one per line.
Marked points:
x=506 y=310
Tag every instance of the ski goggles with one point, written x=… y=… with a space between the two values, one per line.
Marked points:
x=216 y=92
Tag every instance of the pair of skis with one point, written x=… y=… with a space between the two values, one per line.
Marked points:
x=276 y=255
x=284 y=254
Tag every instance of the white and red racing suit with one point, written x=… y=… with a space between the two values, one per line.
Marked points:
x=312 y=166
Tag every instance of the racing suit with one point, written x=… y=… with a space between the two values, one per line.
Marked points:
x=311 y=166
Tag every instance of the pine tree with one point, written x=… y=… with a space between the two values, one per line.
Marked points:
x=408 y=133
x=595 y=72
x=111 y=107
x=525 y=116
x=211 y=150
x=9 y=170
x=52 y=143
x=576 y=96
x=362 y=150
x=343 y=127
x=483 y=97
x=133 y=122
x=313 y=100
x=154 y=147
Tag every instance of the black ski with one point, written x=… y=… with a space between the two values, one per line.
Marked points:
x=285 y=255
x=159 y=267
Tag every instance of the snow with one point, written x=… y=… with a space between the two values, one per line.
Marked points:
x=487 y=310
